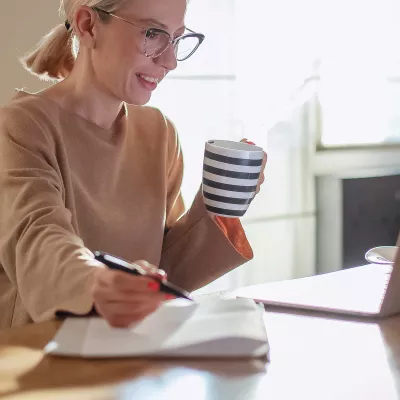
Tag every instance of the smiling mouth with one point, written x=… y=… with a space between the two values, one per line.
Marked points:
x=150 y=79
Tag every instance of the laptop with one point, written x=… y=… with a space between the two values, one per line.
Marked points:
x=371 y=290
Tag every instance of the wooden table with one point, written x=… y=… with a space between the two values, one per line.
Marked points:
x=311 y=358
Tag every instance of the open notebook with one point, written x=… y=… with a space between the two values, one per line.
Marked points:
x=369 y=290
x=179 y=328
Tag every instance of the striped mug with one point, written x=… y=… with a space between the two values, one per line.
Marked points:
x=230 y=175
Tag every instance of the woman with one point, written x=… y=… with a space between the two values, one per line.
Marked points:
x=81 y=169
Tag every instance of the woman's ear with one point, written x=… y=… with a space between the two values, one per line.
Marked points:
x=84 y=26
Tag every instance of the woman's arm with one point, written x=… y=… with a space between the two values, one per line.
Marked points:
x=40 y=251
x=42 y=255
x=198 y=248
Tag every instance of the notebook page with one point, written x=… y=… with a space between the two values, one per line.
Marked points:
x=176 y=326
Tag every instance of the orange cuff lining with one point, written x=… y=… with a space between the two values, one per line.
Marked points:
x=233 y=230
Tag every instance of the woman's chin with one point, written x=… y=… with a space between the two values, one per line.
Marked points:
x=138 y=99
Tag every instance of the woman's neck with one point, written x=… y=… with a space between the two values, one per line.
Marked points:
x=79 y=94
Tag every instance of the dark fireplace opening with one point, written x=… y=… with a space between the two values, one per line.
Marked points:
x=355 y=212
x=371 y=215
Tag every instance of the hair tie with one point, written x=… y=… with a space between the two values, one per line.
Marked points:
x=67 y=25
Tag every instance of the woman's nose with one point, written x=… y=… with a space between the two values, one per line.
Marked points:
x=167 y=59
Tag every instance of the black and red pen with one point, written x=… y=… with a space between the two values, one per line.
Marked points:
x=119 y=264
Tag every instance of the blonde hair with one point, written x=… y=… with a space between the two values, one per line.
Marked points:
x=55 y=55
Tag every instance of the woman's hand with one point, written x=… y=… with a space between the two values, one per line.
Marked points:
x=262 y=177
x=123 y=299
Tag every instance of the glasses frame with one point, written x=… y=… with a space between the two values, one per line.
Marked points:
x=171 y=42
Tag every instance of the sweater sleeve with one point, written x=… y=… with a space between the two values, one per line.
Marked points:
x=197 y=248
x=40 y=252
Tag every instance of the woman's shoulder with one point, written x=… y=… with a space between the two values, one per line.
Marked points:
x=26 y=103
x=25 y=110
x=26 y=113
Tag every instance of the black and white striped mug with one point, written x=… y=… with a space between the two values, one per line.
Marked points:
x=230 y=175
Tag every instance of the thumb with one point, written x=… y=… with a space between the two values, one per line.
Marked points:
x=244 y=140
x=151 y=270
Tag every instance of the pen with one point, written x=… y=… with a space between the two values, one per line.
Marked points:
x=119 y=264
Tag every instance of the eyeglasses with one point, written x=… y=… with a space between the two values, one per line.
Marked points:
x=157 y=41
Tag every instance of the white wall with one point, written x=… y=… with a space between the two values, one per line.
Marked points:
x=22 y=24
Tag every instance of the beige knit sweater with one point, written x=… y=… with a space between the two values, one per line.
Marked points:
x=69 y=187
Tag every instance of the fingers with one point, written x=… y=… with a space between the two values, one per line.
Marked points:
x=149 y=268
x=124 y=313
x=133 y=307
x=265 y=159
x=244 y=140
x=122 y=298
x=125 y=283
x=264 y=162
x=110 y=293
x=118 y=318
x=152 y=270
x=260 y=180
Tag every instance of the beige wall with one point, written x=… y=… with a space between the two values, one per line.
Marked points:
x=22 y=24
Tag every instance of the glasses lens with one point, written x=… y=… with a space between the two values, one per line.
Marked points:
x=186 y=47
x=156 y=42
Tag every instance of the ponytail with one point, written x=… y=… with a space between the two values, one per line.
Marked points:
x=53 y=58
